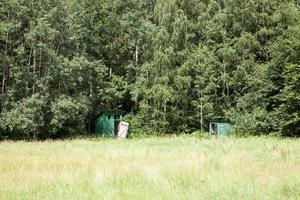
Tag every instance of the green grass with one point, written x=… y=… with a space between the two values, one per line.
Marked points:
x=154 y=168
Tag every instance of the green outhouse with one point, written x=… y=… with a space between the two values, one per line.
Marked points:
x=219 y=128
x=107 y=123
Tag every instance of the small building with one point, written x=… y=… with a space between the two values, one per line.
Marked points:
x=107 y=123
x=219 y=129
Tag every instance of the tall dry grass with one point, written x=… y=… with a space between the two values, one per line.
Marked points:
x=155 y=168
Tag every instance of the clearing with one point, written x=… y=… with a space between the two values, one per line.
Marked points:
x=153 y=168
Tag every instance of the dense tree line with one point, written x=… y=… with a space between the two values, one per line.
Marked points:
x=170 y=65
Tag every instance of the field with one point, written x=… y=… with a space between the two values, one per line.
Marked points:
x=153 y=168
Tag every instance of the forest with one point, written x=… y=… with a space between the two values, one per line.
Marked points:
x=171 y=66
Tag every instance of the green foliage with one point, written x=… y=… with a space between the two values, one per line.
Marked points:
x=289 y=111
x=25 y=117
x=258 y=122
x=200 y=134
x=69 y=115
x=175 y=65
x=138 y=126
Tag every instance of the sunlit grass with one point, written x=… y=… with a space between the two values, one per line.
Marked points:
x=155 y=168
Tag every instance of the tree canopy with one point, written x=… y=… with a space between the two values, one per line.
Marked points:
x=170 y=65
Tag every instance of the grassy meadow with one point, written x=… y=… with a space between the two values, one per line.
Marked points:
x=153 y=168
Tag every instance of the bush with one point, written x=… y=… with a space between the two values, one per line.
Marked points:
x=257 y=122
x=200 y=134
x=25 y=119
x=69 y=115
x=137 y=125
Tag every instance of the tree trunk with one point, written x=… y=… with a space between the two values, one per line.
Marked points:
x=110 y=73
x=34 y=135
x=40 y=63
x=29 y=58
x=165 y=111
x=59 y=87
x=224 y=81
x=34 y=70
x=227 y=88
x=26 y=88
x=28 y=70
x=4 y=65
x=3 y=79
x=137 y=53
x=201 y=115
